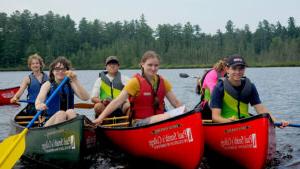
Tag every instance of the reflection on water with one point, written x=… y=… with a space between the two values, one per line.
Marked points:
x=278 y=89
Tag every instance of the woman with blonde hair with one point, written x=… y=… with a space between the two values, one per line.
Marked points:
x=146 y=92
x=32 y=82
x=206 y=85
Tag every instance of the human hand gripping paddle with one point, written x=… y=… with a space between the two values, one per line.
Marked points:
x=13 y=147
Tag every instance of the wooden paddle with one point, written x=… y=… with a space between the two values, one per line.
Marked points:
x=24 y=101
x=13 y=147
x=76 y=105
x=84 y=105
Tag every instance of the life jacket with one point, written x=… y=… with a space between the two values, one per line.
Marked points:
x=35 y=86
x=205 y=96
x=63 y=100
x=234 y=102
x=142 y=106
x=110 y=89
x=205 y=92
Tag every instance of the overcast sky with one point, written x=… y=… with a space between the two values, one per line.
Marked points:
x=210 y=15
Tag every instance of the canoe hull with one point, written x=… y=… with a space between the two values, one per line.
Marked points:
x=66 y=144
x=249 y=143
x=177 y=141
x=7 y=94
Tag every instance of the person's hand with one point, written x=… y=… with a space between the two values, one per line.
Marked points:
x=284 y=124
x=14 y=100
x=41 y=106
x=233 y=118
x=72 y=75
x=97 y=121
x=198 y=81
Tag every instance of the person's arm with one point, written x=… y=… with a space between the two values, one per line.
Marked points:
x=260 y=109
x=77 y=87
x=40 y=99
x=23 y=87
x=173 y=100
x=216 y=116
x=95 y=92
x=113 y=105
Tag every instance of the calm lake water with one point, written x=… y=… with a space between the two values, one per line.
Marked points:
x=278 y=88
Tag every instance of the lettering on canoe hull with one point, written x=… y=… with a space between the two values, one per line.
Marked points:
x=8 y=95
x=180 y=136
x=239 y=142
x=59 y=144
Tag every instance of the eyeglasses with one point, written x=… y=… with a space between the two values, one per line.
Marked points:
x=60 y=69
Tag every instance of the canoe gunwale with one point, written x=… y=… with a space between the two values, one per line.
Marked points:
x=258 y=116
x=152 y=124
x=15 y=124
x=11 y=88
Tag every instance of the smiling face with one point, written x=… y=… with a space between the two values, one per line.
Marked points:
x=150 y=67
x=235 y=73
x=59 y=71
x=35 y=65
x=112 y=68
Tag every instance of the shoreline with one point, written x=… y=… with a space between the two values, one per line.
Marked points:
x=162 y=67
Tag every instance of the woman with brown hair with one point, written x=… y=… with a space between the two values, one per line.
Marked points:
x=146 y=92
x=61 y=107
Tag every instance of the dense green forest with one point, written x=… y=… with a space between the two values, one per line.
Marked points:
x=88 y=43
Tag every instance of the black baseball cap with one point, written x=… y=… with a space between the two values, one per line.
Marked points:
x=236 y=60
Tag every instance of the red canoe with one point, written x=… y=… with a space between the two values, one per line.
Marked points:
x=176 y=141
x=249 y=143
x=7 y=94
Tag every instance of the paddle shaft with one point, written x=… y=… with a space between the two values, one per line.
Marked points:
x=290 y=125
x=47 y=101
x=25 y=101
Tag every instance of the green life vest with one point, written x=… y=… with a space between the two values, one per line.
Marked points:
x=234 y=102
x=110 y=89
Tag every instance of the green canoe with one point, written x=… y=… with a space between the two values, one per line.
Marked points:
x=69 y=144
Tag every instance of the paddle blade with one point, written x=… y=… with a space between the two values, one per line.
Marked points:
x=183 y=75
x=12 y=149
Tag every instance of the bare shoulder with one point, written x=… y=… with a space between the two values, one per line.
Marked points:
x=46 y=85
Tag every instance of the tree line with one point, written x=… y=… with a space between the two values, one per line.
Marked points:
x=180 y=45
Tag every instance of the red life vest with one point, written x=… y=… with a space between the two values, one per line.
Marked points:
x=142 y=105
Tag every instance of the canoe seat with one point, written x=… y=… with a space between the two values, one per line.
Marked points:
x=24 y=117
x=24 y=120
x=121 y=121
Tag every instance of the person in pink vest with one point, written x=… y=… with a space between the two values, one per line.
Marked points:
x=206 y=85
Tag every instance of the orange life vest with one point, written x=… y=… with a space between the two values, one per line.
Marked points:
x=142 y=106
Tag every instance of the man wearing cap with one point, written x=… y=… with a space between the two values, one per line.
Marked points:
x=108 y=86
x=231 y=96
